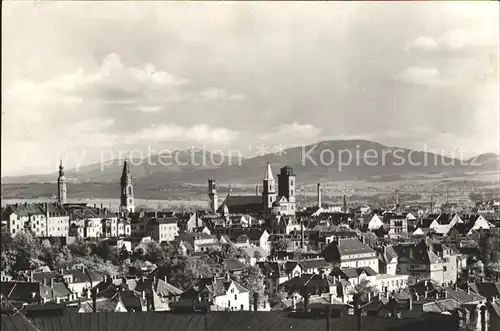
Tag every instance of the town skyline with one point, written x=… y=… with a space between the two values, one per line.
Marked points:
x=180 y=80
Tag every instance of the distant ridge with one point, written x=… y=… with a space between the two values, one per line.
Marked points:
x=326 y=160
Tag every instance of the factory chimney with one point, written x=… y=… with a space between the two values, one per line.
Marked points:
x=319 y=195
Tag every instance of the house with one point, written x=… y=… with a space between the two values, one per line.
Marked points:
x=419 y=261
x=350 y=253
x=373 y=222
x=113 y=304
x=199 y=242
x=388 y=260
x=274 y=275
x=233 y=266
x=443 y=223
x=310 y=284
x=220 y=291
x=254 y=255
x=354 y=275
x=256 y=237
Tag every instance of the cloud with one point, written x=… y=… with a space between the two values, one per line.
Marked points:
x=292 y=134
x=200 y=133
x=456 y=39
x=420 y=76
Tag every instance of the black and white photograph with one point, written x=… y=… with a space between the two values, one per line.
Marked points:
x=250 y=165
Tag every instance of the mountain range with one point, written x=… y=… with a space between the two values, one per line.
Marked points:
x=324 y=161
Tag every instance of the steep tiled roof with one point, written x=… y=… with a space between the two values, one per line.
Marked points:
x=462 y=296
x=220 y=321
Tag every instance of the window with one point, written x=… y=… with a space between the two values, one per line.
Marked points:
x=236 y=297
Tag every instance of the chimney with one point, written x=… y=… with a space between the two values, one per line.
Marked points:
x=332 y=299
x=468 y=289
x=144 y=295
x=397 y=198
x=369 y=297
x=344 y=204
x=294 y=304
x=425 y=294
x=302 y=244
x=165 y=279
x=410 y=303
x=228 y=277
x=95 y=205
x=445 y=294
x=94 y=301
x=319 y=194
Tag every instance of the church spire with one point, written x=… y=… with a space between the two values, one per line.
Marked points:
x=269 y=172
x=127 y=191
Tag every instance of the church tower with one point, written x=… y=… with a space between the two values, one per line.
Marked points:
x=127 y=190
x=212 y=195
x=268 y=190
x=286 y=186
x=61 y=185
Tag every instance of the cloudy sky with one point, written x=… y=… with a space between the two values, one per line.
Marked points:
x=82 y=80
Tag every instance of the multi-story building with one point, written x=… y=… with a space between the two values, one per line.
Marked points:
x=398 y=225
x=163 y=229
x=41 y=219
x=350 y=253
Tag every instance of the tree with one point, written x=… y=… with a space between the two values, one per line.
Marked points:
x=230 y=251
x=280 y=245
x=253 y=280
x=489 y=246
x=26 y=253
x=63 y=259
x=79 y=247
x=361 y=290
x=123 y=254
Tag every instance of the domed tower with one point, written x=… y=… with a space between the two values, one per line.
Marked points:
x=61 y=186
x=127 y=190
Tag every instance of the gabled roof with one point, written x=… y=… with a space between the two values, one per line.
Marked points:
x=218 y=286
x=343 y=247
x=314 y=264
x=486 y=289
x=234 y=265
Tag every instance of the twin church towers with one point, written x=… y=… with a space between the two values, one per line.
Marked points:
x=271 y=202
